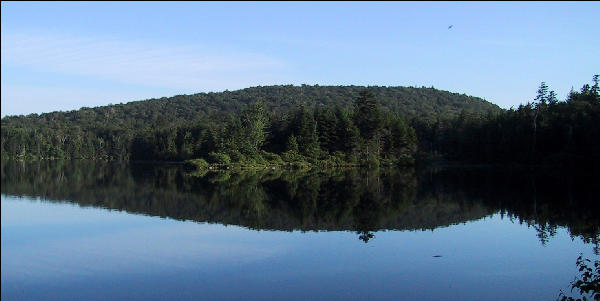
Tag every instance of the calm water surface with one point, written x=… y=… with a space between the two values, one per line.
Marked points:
x=91 y=231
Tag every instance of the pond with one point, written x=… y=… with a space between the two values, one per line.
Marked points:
x=83 y=230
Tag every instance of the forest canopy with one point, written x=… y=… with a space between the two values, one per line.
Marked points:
x=332 y=125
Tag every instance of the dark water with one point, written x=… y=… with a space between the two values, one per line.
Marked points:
x=93 y=231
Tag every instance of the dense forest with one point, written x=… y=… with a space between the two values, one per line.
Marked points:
x=317 y=125
x=544 y=131
x=236 y=125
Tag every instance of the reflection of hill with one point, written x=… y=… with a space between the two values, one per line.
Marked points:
x=434 y=213
x=338 y=200
x=545 y=199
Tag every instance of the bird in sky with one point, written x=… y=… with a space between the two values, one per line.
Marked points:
x=450 y=26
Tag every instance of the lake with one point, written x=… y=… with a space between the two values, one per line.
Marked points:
x=83 y=230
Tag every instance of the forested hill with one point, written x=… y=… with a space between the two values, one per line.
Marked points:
x=321 y=126
x=422 y=103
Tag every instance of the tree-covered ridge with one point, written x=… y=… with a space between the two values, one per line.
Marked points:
x=317 y=126
x=258 y=134
x=152 y=113
x=181 y=127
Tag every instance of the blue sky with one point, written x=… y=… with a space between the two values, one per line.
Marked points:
x=63 y=56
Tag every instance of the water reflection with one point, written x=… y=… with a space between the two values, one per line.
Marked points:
x=352 y=200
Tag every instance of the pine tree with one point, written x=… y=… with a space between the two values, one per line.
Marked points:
x=367 y=117
x=367 y=114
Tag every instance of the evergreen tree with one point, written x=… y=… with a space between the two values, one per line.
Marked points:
x=367 y=114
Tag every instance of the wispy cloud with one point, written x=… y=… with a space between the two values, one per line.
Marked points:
x=20 y=99
x=177 y=67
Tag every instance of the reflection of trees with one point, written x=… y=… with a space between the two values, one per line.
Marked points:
x=543 y=199
x=370 y=205
x=356 y=200
x=544 y=232
x=365 y=236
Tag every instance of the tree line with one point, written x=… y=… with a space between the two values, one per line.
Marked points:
x=172 y=124
x=306 y=134
x=278 y=124
x=544 y=131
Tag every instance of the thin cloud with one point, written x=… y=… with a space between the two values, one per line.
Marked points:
x=24 y=99
x=177 y=67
